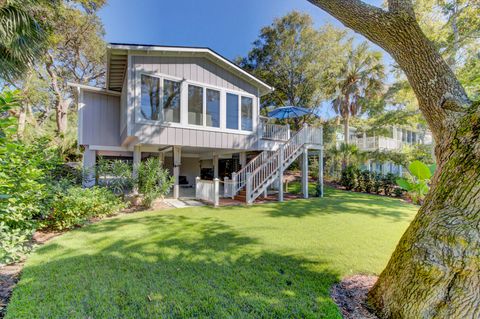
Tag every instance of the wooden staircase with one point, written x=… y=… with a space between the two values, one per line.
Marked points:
x=255 y=178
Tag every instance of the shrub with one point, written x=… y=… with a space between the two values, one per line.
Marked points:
x=365 y=181
x=13 y=243
x=116 y=175
x=349 y=178
x=388 y=184
x=377 y=183
x=73 y=205
x=417 y=183
x=152 y=180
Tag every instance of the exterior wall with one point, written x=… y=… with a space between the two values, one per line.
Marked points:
x=123 y=111
x=196 y=71
x=163 y=135
x=100 y=117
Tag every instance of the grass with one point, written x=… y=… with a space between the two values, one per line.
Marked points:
x=263 y=261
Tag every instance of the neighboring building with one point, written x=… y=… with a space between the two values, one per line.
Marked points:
x=193 y=108
x=397 y=139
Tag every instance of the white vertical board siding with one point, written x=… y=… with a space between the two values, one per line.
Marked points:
x=199 y=71
x=123 y=106
x=101 y=119
x=195 y=69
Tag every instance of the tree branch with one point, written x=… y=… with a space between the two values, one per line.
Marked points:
x=401 y=6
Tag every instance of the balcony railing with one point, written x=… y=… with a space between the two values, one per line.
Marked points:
x=275 y=132
x=377 y=142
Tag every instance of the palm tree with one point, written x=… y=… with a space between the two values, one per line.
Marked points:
x=360 y=79
x=22 y=36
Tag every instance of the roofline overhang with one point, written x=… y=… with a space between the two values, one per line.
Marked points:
x=264 y=87
x=93 y=89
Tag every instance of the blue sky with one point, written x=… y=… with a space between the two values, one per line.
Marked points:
x=228 y=27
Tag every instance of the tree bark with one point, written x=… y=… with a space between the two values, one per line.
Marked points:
x=346 y=129
x=435 y=269
x=61 y=105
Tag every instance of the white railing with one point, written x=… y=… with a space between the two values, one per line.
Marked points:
x=313 y=135
x=229 y=187
x=275 y=132
x=207 y=191
x=264 y=175
x=377 y=142
x=239 y=178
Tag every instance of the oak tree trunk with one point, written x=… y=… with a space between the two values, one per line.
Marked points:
x=435 y=269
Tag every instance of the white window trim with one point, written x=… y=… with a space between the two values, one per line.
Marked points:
x=184 y=105
x=138 y=106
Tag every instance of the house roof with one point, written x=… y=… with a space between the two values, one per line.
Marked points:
x=117 y=62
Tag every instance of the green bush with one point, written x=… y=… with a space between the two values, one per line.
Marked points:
x=377 y=183
x=388 y=184
x=72 y=206
x=349 y=178
x=152 y=180
x=416 y=184
x=24 y=175
x=116 y=175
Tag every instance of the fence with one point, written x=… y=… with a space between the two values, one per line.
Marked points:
x=207 y=191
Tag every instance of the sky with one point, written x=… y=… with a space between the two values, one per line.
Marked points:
x=226 y=26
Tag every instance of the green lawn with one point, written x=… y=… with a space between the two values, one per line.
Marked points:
x=270 y=261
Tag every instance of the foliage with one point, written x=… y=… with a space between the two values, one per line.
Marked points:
x=73 y=205
x=358 y=83
x=349 y=178
x=23 y=36
x=417 y=183
x=148 y=260
x=355 y=179
x=23 y=176
x=116 y=175
x=152 y=180
x=286 y=55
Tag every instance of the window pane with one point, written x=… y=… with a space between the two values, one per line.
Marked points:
x=213 y=108
x=232 y=111
x=247 y=113
x=150 y=97
x=195 y=105
x=171 y=101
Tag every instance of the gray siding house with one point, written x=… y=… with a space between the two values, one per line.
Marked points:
x=191 y=107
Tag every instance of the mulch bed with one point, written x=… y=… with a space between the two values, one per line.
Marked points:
x=350 y=295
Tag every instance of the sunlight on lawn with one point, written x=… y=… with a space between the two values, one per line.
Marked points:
x=272 y=260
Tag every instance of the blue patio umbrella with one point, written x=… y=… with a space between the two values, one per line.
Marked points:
x=288 y=112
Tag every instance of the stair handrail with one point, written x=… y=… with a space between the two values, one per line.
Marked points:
x=271 y=164
x=239 y=178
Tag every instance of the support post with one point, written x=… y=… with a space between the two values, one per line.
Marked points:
x=215 y=166
x=234 y=185
x=89 y=158
x=280 y=174
x=320 y=173
x=177 y=161
x=216 y=190
x=248 y=187
x=137 y=158
x=161 y=157
x=305 y=172
x=243 y=159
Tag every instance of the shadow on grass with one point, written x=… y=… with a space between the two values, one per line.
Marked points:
x=338 y=202
x=167 y=266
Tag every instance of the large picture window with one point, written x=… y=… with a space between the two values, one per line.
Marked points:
x=247 y=113
x=213 y=108
x=195 y=105
x=150 y=97
x=171 y=101
x=232 y=111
